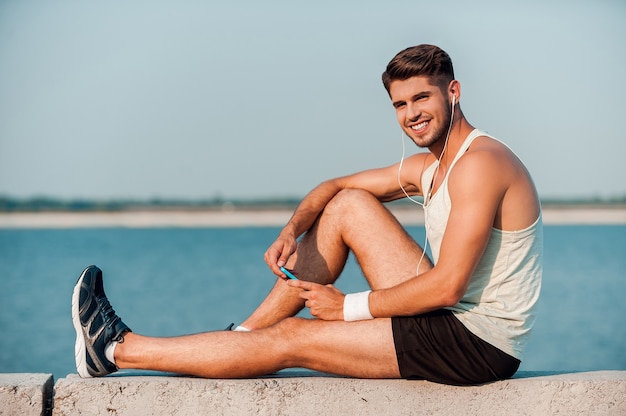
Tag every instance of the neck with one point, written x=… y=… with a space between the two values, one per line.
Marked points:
x=458 y=132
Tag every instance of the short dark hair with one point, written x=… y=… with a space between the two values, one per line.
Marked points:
x=421 y=60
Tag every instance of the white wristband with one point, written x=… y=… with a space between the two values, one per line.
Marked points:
x=356 y=306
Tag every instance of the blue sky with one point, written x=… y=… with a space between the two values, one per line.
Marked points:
x=197 y=99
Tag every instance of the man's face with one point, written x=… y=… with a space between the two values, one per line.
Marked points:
x=422 y=109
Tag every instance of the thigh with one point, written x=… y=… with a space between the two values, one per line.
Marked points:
x=385 y=251
x=363 y=349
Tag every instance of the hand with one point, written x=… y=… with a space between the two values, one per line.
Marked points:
x=324 y=301
x=279 y=252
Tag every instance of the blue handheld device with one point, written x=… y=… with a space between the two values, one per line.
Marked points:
x=288 y=273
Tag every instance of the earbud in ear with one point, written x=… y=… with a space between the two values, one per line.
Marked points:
x=453 y=100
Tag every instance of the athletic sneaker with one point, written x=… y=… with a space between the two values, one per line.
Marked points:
x=96 y=325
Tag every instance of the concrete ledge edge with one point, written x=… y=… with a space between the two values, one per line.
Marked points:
x=304 y=392
x=308 y=393
x=26 y=393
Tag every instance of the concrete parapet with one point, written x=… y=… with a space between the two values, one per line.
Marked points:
x=25 y=394
x=309 y=393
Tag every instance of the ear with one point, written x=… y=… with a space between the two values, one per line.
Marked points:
x=454 y=90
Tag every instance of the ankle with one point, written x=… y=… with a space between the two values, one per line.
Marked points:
x=119 y=349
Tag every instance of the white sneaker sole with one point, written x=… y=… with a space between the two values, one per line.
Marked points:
x=80 y=351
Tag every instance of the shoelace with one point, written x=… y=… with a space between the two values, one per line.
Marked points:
x=110 y=318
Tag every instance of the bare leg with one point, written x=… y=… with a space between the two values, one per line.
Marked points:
x=354 y=220
x=357 y=349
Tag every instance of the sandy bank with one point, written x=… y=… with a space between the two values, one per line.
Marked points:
x=242 y=218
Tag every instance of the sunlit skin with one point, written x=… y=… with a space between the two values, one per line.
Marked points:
x=489 y=187
x=423 y=110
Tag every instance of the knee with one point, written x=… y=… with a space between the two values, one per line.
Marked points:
x=350 y=200
x=286 y=336
x=286 y=340
x=291 y=331
x=288 y=327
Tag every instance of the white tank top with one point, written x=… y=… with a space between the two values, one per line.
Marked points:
x=499 y=304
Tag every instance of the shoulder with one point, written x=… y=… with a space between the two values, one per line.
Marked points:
x=485 y=147
x=489 y=156
x=492 y=175
x=488 y=163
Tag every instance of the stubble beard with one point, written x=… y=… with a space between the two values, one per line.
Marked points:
x=439 y=134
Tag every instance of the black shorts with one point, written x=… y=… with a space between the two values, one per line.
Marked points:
x=436 y=346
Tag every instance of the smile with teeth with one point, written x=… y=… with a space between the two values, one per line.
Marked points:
x=419 y=126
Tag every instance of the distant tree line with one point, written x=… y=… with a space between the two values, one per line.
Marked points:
x=48 y=204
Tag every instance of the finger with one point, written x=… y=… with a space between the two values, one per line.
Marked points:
x=270 y=256
x=284 y=256
x=274 y=268
x=302 y=284
x=271 y=259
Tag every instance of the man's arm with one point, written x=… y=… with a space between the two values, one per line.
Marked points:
x=302 y=219
x=476 y=188
x=382 y=183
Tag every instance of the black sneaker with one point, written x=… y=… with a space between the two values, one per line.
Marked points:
x=96 y=325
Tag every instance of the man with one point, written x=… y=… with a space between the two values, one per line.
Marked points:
x=463 y=320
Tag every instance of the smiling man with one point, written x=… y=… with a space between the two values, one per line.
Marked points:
x=462 y=318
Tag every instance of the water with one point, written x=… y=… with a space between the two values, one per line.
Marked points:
x=174 y=281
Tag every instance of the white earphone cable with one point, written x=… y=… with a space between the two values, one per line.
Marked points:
x=426 y=197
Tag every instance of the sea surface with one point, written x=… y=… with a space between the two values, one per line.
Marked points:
x=171 y=281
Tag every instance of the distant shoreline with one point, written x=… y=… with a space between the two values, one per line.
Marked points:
x=552 y=215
